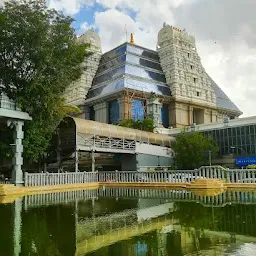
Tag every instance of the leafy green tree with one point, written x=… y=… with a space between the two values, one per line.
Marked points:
x=191 y=148
x=146 y=124
x=39 y=58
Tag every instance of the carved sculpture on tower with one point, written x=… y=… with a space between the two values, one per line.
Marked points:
x=197 y=99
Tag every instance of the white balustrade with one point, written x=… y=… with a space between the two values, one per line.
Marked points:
x=175 y=176
x=50 y=179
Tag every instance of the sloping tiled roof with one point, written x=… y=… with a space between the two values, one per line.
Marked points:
x=222 y=100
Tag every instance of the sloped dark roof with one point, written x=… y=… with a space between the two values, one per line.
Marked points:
x=222 y=100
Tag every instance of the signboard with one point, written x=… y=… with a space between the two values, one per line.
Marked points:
x=245 y=161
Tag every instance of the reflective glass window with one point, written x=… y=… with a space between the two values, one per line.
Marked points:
x=106 y=88
x=112 y=54
x=109 y=75
x=140 y=72
x=143 y=52
x=137 y=109
x=140 y=61
x=111 y=64
x=165 y=115
x=113 y=111
x=145 y=86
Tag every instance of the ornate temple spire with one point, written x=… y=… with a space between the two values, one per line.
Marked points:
x=132 y=39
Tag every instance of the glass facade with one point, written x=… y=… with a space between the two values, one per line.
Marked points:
x=129 y=66
x=143 y=62
x=143 y=52
x=165 y=115
x=113 y=54
x=111 y=64
x=131 y=83
x=113 y=112
x=137 y=109
x=144 y=73
x=114 y=73
x=235 y=140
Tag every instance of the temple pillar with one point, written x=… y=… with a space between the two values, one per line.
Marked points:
x=17 y=161
x=154 y=111
x=124 y=108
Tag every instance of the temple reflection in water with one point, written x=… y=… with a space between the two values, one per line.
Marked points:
x=97 y=223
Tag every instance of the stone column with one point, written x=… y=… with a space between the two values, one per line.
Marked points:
x=190 y=115
x=124 y=108
x=101 y=112
x=17 y=161
x=154 y=111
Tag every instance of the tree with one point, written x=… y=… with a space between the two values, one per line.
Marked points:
x=190 y=150
x=39 y=58
x=143 y=125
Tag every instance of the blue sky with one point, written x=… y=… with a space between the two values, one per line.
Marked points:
x=224 y=31
x=86 y=14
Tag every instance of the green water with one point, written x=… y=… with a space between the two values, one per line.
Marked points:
x=122 y=222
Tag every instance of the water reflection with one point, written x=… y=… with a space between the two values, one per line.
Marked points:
x=129 y=222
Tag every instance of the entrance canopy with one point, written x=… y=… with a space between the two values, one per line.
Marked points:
x=77 y=134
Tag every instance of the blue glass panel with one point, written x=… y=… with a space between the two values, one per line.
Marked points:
x=143 y=52
x=159 y=89
x=140 y=61
x=109 y=75
x=137 y=110
x=112 y=54
x=140 y=72
x=106 y=88
x=165 y=115
x=111 y=64
x=113 y=108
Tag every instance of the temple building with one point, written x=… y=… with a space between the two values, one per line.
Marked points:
x=169 y=85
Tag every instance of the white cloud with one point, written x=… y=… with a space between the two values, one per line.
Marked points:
x=224 y=32
x=225 y=39
x=69 y=7
x=111 y=26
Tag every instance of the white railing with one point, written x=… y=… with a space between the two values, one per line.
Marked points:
x=184 y=176
x=156 y=176
x=241 y=176
x=175 y=176
x=49 y=179
x=94 y=142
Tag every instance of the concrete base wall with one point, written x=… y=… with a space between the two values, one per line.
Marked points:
x=132 y=162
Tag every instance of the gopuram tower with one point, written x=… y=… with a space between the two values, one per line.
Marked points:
x=77 y=92
x=197 y=99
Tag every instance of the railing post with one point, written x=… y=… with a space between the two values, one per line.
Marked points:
x=228 y=175
x=253 y=175
x=25 y=179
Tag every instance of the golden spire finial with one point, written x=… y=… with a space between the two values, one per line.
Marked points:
x=132 y=39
